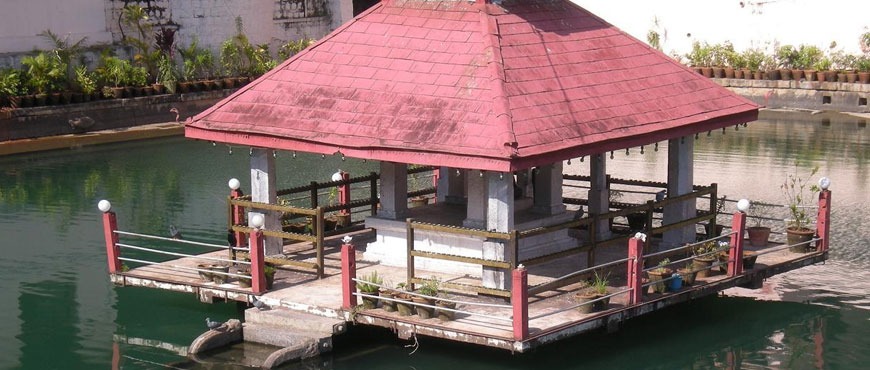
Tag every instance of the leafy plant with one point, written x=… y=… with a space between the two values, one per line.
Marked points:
x=700 y=54
x=291 y=48
x=137 y=76
x=823 y=64
x=114 y=71
x=754 y=58
x=370 y=283
x=430 y=287
x=197 y=62
x=795 y=189
x=599 y=284
x=722 y=54
x=663 y=265
x=10 y=83
x=46 y=71
x=786 y=56
x=808 y=56
x=166 y=73
x=864 y=41
x=863 y=64
x=67 y=51
x=85 y=80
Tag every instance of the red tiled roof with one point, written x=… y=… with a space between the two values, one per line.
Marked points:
x=463 y=84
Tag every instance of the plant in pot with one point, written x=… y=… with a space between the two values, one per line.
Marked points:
x=403 y=300
x=86 y=83
x=167 y=76
x=786 y=57
x=807 y=57
x=10 y=87
x=269 y=271
x=428 y=288
x=754 y=59
x=659 y=274
x=863 y=66
x=799 y=194
x=445 y=314
x=46 y=73
x=759 y=234
x=245 y=282
x=597 y=289
x=704 y=257
x=688 y=273
x=699 y=58
x=370 y=285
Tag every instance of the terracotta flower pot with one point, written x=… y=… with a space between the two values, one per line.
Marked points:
x=810 y=74
x=864 y=77
x=703 y=265
x=785 y=74
x=588 y=296
x=445 y=315
x=797 y=74
x=795 y=236
x=424 y=312
x=758 y=236
x=370 y=302
x=729 y=72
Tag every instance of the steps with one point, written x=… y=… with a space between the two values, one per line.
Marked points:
x=299 y=335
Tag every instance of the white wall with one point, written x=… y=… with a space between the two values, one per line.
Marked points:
x=21 y=21
x=756 y=23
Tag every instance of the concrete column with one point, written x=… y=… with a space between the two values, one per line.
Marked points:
x=264 y=190
x=680 y=178
x=499 y=217
x=475 y=214
x=451 y=186
x=599 y=194
x=394 y=191
x=524 y=182
x=548 y=190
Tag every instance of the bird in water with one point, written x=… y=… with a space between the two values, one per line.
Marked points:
x=259 y=304
x=173 y=232
x=212 y=324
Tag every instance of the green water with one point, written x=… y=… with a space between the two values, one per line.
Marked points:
x=60 y=312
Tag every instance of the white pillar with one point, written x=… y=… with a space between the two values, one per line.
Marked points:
x=500 y=218
x=475 y=210
x=264 y=190
x=451 y=186
x=394 y=190
x=599 y=194
x=548 y=190
x=680 y=178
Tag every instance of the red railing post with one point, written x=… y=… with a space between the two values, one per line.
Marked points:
x=348 y=273
x=823 y=222
x=344 y=193
x=110 y=224
x=258 y=263
x=634 y=276
x=735 y=253
x=520 y=302
x=436 y=175
x=238 y=213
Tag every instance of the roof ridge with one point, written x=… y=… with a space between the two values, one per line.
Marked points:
x=500 y=104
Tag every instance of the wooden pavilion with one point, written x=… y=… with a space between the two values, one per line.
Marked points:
x=486 y=91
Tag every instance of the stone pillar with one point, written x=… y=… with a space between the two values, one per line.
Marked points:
x=548 y=190
x=680 y=177
x=264 y=190
x=394 y=191
x=599 y=193
x=499 y=217
x=475 y=216
x=451 y=186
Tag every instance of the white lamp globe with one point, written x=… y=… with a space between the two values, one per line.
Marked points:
x=824 y=183
x=234 y=183
x=104 y=206
x=337 y=176
x=743 y=205
x=257 y=221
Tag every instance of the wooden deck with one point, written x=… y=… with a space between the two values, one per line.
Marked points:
x=302 y=291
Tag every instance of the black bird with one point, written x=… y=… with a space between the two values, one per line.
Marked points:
x=173 y=232
x=212 y=324
x=259 y=304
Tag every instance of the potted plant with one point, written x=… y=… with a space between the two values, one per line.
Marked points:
x=391 y=293
x=429 y=289
x=807 y=57
x=863 y=66
x=659 y=274
x=86 y=82
x=45 y=74
x=245 y=282
x=688 y=274
x=597 y=289
x=10 y=86
x=370 y=284
x=269 y=271
x=799 y=194
x=403 y=300
x=704 y=258
x=759 y=234
x=445 y=315
x=204 y=271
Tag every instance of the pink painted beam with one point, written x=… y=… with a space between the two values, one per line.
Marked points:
x=735 y=254
x=238 y=218
x=344 y=193
x=110 y=224
x=348 y=273
x=520 y=302
x=258 y=262
x=823 y=222
x=634 y=276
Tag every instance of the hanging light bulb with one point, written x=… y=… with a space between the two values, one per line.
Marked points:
x=323 y=156
x=294 y=154
x=656 y=148
x=251 y=152
x=501 y=176
x=213 y=143
x=481 y=173
x=611 y=154
x=736 y=127
x=708 y=133
x=641 y=149
x=696 y=136
x=627 y=152
x=458 y=173
x=231 y=150
x=582 y=158
x=342 y=157
x=682 y=139
x=745 y=124
x=569 y=161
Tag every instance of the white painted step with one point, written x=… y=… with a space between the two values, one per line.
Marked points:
x=290 y=320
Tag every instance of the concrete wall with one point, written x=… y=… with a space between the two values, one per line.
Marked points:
x=744 y=23
x=211 y=21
